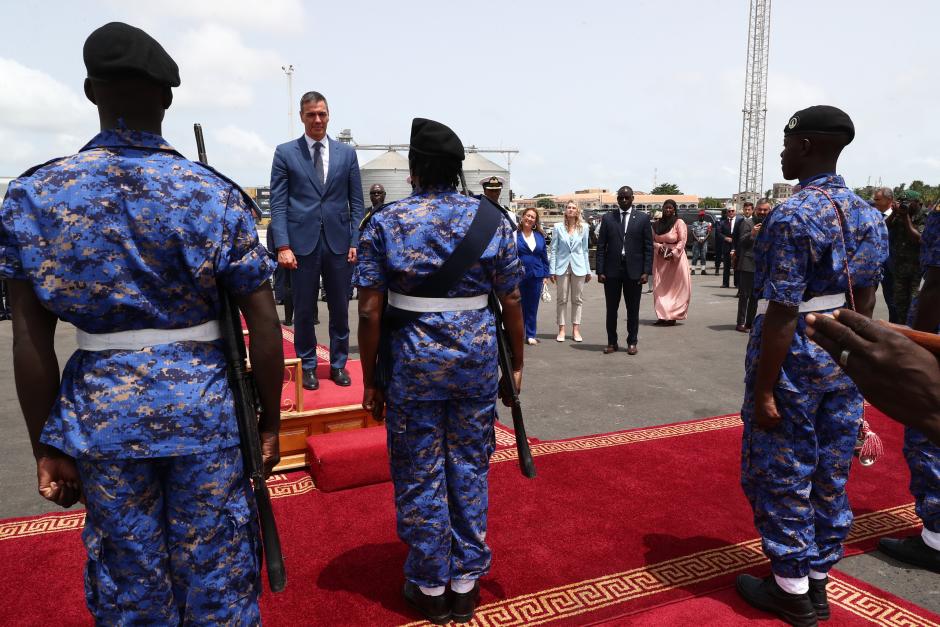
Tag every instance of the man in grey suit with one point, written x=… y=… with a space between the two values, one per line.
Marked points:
x=748 y=228
x=624 y=263
x=316 y=208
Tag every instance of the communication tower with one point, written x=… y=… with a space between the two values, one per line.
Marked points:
x=751 y=177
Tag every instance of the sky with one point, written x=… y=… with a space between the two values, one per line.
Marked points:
x=592 y=94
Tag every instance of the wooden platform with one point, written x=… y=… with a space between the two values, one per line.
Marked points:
x=301 y=422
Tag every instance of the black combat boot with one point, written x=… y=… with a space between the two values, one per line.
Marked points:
x=819 y=598
x=435 y=609
x=765 y=594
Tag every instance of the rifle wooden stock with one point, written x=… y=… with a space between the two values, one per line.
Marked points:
x=930 y=341
x=242 y=383
x=508 y=384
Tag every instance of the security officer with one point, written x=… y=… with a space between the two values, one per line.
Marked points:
x=801 y=413
x=493 y=189
x=923 y=457
x=905 y=225
x=441 y=399
x=128 y=240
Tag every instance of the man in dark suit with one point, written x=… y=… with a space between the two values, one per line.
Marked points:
x=736 y=226
x=316 y=208
x=624 y=263
x=725 y=233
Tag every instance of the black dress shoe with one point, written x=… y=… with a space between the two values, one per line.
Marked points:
x=611 y=348
x=310 y=380
x=464 y=604
x=434 y=609
x=765 y=594
x=819 y=598
x=912 y=550
x=631 y=349
x=339 y=376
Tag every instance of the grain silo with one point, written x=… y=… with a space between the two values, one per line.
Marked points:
x=390 y=170
x=476 y=167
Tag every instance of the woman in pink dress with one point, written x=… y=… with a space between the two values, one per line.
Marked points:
x=672 y=287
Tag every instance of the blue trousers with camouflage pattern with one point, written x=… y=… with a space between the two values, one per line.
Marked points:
x=440 y=458
x=794 y=476
x=923 y=458
x=171 y=541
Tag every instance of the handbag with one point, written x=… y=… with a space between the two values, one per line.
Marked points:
x=546 y=294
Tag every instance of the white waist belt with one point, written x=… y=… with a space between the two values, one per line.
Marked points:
x=820 y=303
x=424 y=305
x=137 y=340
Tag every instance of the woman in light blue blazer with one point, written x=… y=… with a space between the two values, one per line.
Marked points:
x=530 y=242
x=571 y=269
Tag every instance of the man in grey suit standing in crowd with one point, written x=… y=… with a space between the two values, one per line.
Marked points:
x=316 y=208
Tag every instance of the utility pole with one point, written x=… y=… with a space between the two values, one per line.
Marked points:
x=289 y=71
x=751 y=177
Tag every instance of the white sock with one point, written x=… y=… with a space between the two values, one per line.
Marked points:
x=793 y=585
x=462 y=586
x=436 y=591
x=931 y=538
x=814 y=574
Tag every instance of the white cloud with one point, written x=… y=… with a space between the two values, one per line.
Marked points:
x=248 y=145
x=270 y=15
x=217 y=68
x=31 y=100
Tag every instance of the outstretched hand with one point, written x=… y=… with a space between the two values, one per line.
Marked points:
x=893 y=373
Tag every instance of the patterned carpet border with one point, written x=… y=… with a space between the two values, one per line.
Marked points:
x=606 y=440
x=577 y=598
x=872 y=607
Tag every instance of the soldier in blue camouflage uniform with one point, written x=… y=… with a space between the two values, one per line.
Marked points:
x=923 y=457
x=801 y=413
x=441 y=398
x=127 y=240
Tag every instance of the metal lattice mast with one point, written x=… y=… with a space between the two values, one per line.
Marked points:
x=751 y=178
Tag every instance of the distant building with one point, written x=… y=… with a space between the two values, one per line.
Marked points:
x=740 y=198
x=262 y=197
x=781 y=191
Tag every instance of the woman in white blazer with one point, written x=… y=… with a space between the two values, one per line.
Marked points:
x=571 y=269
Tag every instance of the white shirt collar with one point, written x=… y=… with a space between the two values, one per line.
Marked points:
x=311 y=141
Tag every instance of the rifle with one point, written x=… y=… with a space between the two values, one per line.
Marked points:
x=509 y=391
x=242 y=383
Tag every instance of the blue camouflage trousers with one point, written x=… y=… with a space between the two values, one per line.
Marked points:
x=171 y=541
x=923 y=458
x=440 y=458
x=794 y=477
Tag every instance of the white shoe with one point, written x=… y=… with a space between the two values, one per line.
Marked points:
x=560 y=337
x=532 y=341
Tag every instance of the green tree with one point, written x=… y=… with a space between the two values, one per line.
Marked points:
x=670 y=189
x=710 y=203
x=544 y=202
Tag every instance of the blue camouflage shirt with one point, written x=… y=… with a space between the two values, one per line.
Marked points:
x=127 y=235
x=799 y=255
x=447 y=354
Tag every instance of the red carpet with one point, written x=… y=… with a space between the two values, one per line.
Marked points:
x=627 y=526
x=852 y=602
x=329 y=394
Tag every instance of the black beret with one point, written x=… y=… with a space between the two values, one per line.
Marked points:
x=821 y=120
x=118 y=50
x=434 y=139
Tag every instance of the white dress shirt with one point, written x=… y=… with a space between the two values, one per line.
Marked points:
x=626 y=221
x=324 y=152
